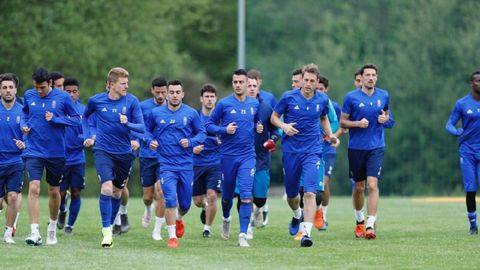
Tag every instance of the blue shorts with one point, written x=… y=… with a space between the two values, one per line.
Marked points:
x=329 y=160
x=149 y=169
x=74 y=177
x=206 y=177
x=11 y=178
x=113 y=167
x=470 y=165
x=55 y=167
x=241 y=170
x=364 y=163
x=177 y=185
x=296 y=164
x=320 y=186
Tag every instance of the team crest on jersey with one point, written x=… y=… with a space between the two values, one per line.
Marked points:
x=469 y=111
x=17 y=120
x=371 y=103
x=379 y=103
x=185 y=120
x=124 y=110
x=54 y=104
x=296 y=107
x=233 y=111
x=33 y=104
x=308 y=108
x=104 y=109
x=361 y=105
x=318 y=107
x=252 y=111
x=43 y=105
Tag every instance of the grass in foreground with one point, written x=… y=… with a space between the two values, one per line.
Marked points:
x=409 y=235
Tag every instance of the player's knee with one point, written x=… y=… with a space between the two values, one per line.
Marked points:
x=309 y=195
x=198 y=201
x=372 y=186
x=359 y=186
x=53 y=191
x=12 y=197
x=75 y=193
x=107 y=188
x=34 y=188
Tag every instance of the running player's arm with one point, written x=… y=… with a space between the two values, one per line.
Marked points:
x=24 y=121
x=338 y=112
x=88 y=120
x=345 y=121
x=453 y=120
x=212 y=123
x=71 y=116
x=391 y=122
x=137 y=123
x=199 y=131
x=327 y=129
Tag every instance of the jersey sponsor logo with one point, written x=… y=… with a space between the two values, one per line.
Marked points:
x=104 y=109
x=469 y=111
x=233 y=111
x=185 y=120
x=379 y=103
x=33 y=104
x=296 y=107
x=361 y=105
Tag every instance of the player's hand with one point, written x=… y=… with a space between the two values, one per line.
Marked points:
x=19 y=144
x=459 y=131
x=289 y=129
x=334 y=141
x=154 y=145
x=231 y=128
x=48 y=116
x=383 y=118
x=89 y=142
x=198 y=149
x=362 y=123
x=123 y=119
x=185 y=143
x=26 y=130
x=259 y=127
x=345 y=130
x=270 y=145
x=135 y=145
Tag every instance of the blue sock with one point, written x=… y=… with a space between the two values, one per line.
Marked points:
x=105 y=209
x=75 y=204
x=115 y=207
x=472 y=217
x=226 y=207
x=63 y=205
x=244 y=215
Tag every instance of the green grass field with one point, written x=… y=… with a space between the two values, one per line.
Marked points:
x=410 y=235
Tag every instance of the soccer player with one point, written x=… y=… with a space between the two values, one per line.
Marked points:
x=234 y=119
x=264 y=146
x=149 y=165
x=11 y=146
x=47 y=110
x=176 y=129
x=467 y=109
x=207 y=179
x=364 y=113
x=57 y=79
x=117 y=112
x=74 y=176
x=304 y=110
x=296 y=79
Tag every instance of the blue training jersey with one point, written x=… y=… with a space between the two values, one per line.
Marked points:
x=263 y=156
x=466 y=109
x=327 y=147
x=244 y=114
x=168 y=128
x=306 y=114
x=147 y=106
x=74 y=140
x=10 y=128
x=111 y=135
x=46 y=139
x=359 y=105
x=268 y=97
x=211 y=149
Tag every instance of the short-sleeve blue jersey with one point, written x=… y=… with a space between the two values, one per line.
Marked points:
x=359 y=105
x=10 y=128
x=168 y=128
x=46 y=139
x=145 y=152
x=211 y=150
x=306 y=114
x=268 y=97
x=74 y=140
x=111 y=135
x=466 y=109
x=244 y=114
x=327 y=147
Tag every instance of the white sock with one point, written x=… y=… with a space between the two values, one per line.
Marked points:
x=35 y=228
x=158 y=223
x=206 y=205
x=16 y=219
x=324 y=209
x=206 y=227
x=265 y=208
x=179 y=217
x=117 y=221
x=227 y=219
x=307 y=228
x=371 y=221
x=52 y=225
x=123 y=209
x=297 y=213
x=359 y=215
x=8 y=231
x=171 y=231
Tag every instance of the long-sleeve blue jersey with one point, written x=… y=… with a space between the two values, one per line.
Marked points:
x=466 y=109
x=10 y=129
x=46 y=139
x=263 y=156
x=168 y=128
x=145 y=152
x=211 y=149
x=74 y=140
x=111 y=135
x=244 y=114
